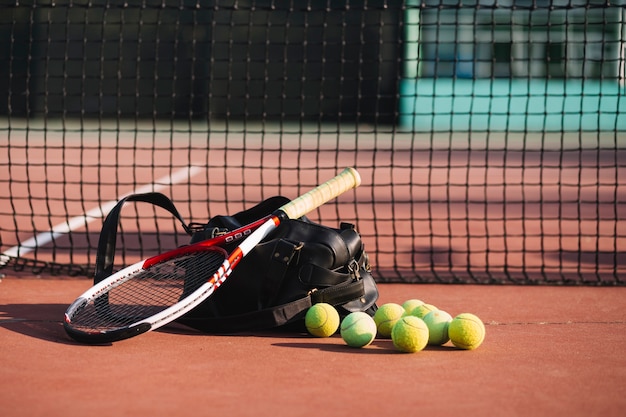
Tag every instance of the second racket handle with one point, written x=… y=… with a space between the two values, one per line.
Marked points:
x=348 y=179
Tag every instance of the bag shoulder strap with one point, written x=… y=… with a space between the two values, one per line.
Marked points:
x=106 y=244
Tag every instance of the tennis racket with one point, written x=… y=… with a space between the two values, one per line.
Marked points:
x=158 y=290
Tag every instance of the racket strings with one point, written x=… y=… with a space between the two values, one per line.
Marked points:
x=147 y=293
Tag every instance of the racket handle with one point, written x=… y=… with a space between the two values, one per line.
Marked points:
x=348 y=179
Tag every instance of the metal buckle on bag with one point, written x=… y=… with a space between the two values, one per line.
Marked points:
x=218 y=232
x=202 y=227
x=353 y=268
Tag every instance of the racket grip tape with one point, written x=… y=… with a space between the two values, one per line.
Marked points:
x=349 y=178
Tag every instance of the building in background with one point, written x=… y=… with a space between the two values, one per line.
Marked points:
x=514 y=65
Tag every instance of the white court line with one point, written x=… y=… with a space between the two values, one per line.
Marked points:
x=91 y=215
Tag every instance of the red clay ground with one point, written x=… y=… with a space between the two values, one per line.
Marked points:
x=548 y=351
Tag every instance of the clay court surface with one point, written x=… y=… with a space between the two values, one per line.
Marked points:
x=549 y=351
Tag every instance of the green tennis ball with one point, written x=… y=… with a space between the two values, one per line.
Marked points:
x=437 y=322
x=322 y=320
x=410 y=334
x=421 y=310
x=409 y=305
x=358 y=329
x=466 y=331
x=386 y=316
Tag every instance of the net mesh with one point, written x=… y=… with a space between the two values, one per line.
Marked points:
x=490 y=136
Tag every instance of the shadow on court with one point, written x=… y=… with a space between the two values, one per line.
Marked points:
x=40 y=321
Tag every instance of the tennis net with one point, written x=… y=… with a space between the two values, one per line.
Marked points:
x=491 y=136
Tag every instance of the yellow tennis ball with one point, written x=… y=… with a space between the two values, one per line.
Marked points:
x=358 y=329
x=322 y=320
x=437 y=322
x=409 y=305
x=421 y=310
x=410 y=334
x=386 y=316
x=466 y=331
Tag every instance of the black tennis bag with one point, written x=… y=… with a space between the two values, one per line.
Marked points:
x=299 y=264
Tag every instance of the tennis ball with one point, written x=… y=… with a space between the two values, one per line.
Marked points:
x=322 y=320
x=466 y=331
x=421 y=310
x=437 y=322
x=358 y=329
x=386 y=316
x=409 y=305
x=410 y=334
